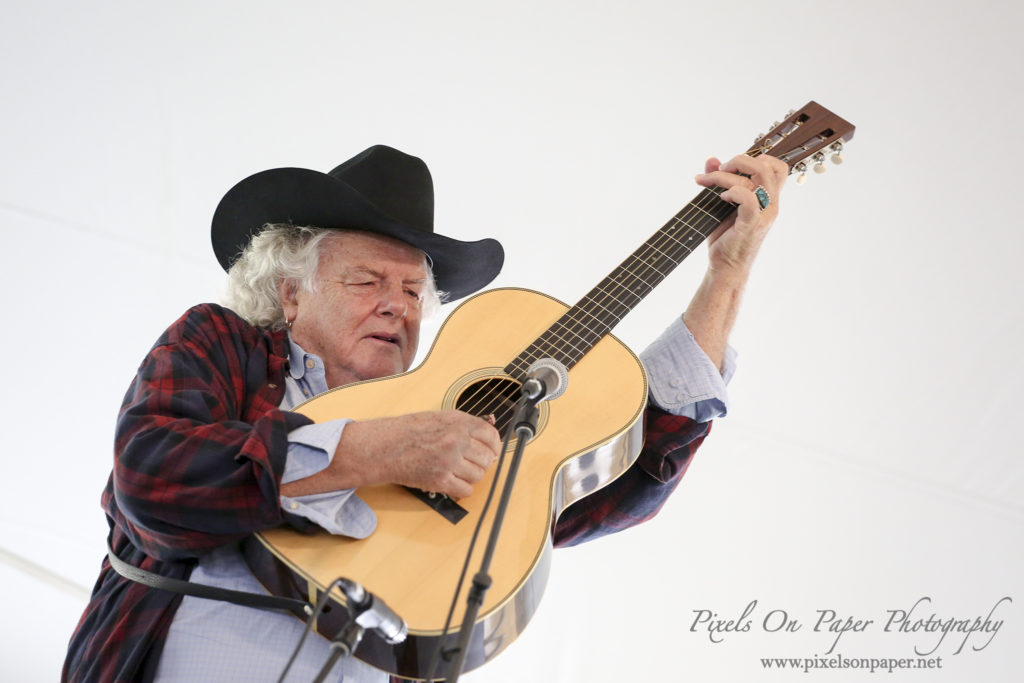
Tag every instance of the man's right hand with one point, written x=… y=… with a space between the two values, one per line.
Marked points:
x=443 y=451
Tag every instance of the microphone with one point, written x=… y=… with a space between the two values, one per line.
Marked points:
x=546 y=379
x=374 y=614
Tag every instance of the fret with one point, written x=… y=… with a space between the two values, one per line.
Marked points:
x=641 y=262
x=621 y=295
x=654 y=248
x=703 y=211
x=689 y=240
x=591 y=302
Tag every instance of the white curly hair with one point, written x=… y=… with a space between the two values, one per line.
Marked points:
x=287 y=252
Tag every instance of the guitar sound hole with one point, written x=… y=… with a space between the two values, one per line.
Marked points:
x=496 y=396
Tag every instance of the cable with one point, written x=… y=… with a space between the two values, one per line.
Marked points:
x=435 y=658
x=317 y=611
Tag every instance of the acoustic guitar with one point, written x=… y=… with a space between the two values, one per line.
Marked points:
x=585 y=439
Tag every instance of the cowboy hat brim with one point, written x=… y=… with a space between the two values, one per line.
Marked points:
x=303 y=197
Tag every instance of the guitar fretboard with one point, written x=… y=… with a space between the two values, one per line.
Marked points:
x=586 y=323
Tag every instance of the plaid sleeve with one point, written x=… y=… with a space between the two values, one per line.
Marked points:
x=669 y=445
x=199 y=451
x=199 y=448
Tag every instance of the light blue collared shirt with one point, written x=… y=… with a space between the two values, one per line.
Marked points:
x=218 y=641
x=311 y=449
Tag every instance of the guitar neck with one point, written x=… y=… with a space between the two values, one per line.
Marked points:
x=804 y=135
x=586 y=323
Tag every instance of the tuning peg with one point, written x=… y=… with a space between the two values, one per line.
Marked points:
x=802 y=168
x=837 y=156
x=819 y=166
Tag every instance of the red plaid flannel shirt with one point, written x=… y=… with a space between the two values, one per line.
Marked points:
x=199 y=451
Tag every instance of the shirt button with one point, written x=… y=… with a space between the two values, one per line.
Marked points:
x=675 y=382
x=310 y=363
x=293 y=505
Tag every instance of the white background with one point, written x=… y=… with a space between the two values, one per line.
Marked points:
x=872 y=456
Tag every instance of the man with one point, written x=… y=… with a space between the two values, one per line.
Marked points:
x=207 y=452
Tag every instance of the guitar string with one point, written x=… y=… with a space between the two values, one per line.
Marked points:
x=581 y=318
x=666 y=248
x=675 y=256
x=628 y=275
x=606 y=305
x=636 y=270
x=709 y=198
x=642 y=264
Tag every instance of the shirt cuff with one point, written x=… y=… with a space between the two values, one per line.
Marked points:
x=311 y=449
x=683 y=379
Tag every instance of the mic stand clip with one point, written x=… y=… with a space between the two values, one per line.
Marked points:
x=345 y=643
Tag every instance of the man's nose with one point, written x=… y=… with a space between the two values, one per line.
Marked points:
x=393 y=301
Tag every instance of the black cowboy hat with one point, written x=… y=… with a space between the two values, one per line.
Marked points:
x=380 y=190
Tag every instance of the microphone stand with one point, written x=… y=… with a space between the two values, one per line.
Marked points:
x=525 y=428
x=343 y=645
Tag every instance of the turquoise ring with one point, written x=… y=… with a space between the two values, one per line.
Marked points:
x=763 y=198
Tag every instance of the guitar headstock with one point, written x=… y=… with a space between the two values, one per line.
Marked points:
x=807 y=134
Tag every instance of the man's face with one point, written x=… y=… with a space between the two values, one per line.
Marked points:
x=364 y=318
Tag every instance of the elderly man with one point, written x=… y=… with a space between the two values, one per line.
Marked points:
x=330 y=276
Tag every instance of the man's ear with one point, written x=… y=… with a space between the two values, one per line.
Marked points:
x=286 y=292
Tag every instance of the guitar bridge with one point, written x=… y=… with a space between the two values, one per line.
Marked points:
x=440 y=503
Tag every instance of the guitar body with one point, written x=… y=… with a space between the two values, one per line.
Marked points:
x=585 y=439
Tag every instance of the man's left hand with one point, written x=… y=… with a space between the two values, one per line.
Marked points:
x=734 y=245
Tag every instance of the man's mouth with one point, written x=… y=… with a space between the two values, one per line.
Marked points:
x=385 y=337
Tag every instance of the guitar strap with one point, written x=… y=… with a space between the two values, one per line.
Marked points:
x=299 y=608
